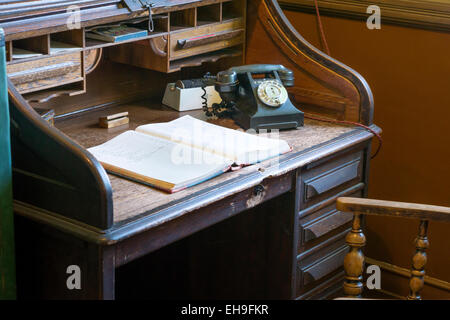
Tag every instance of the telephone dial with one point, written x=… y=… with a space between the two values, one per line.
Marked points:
x=253 y=95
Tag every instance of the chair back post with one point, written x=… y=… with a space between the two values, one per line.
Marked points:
x=354 y=259
x=419 y=262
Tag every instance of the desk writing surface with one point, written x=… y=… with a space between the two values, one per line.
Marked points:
x=131 y=199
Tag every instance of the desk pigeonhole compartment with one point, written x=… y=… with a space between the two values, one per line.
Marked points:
x=190 y=37
x=47 y=72
x=47 y=61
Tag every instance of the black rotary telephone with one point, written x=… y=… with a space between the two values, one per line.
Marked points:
x=253 y=95
x=259 y=102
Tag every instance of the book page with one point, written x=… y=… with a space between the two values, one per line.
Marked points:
x=158 y=162
x=241 y=147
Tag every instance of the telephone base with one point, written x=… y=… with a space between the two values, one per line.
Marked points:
x=286 y=117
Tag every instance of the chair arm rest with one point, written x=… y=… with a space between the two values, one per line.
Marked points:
x=393 y=208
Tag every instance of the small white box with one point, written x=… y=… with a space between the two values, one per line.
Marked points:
x=190 y=98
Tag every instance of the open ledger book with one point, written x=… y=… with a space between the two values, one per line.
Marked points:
x=181 y=153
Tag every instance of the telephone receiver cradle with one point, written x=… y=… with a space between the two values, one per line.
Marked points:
x=259 y=96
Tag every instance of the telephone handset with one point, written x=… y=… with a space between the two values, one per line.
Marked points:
x=259 y=97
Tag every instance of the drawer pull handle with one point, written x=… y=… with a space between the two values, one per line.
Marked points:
x=325 y=266
x=326 y=224
x=329 y=181
x=207 y=38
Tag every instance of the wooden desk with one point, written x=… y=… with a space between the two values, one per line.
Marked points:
x=269 y=230
x=292 y=201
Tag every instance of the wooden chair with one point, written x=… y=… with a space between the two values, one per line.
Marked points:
x=354 y=260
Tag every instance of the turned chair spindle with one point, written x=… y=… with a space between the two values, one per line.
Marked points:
x=419 y=262
x=354 y=260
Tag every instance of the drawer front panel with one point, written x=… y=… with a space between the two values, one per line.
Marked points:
x=315 y=224
x=330 y=222
x=332 y=179
x=46 y=72
x=329 y=264
x=317 y=263
x=206 y=39
x=322 y=181
x=327 y=289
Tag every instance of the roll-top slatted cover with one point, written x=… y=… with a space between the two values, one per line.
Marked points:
x=25 y=18
x=21 y=9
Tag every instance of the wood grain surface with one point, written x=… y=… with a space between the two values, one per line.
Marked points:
x=132 y=199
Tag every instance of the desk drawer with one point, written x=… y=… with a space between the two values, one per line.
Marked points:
x=321 y=181
x=316 y=264
x=328 y=222
x=208 y=38
x=46 y=72
x=316 y=224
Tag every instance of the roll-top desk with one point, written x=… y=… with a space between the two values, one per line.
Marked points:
x=265 y=231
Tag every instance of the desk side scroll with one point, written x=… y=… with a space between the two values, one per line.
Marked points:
x=53 y=172
x=322 y=84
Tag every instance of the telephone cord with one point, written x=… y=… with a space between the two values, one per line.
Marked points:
x=322 y=33
x=376 y=134
x=205 y=103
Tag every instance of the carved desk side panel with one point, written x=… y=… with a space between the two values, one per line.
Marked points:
x=54 y=173
x=322 y=85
